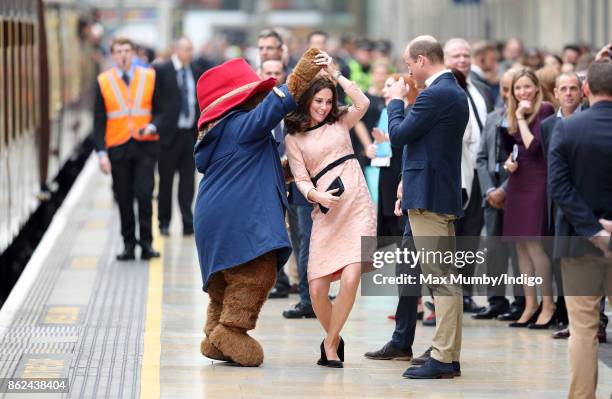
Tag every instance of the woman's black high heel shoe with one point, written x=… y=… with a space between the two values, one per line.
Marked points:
x=531 y=320
x=553 y=320
x=337 y=364
x=323 y=359
x=341 y=350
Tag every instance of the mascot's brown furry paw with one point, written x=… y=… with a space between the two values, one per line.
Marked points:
x=304 y=72
x=236 y=298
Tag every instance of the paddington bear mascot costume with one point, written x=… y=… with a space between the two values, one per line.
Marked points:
x=240 y=207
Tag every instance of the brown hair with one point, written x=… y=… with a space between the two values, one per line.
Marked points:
x=548 y=78
x=513 y=102
x=428 y=47
x=118 y=41
x=600 y=78
x=299 y=120
x=481 y=48
x=414 y=91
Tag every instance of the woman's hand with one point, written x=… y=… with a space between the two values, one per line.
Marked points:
x=524 y=107
x=371 y=151
x=379 y=136
x=327 y=199
x=510 y=165
x=497 y=198
x=327 y=62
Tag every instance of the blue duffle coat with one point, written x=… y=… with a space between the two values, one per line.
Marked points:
x=241 y=201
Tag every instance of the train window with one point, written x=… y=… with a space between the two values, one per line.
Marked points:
x=33 y=79
x=28 y=62
x=25 y=77
x=53 y=52
x=9 y=81
x=3 y=137
x=17 y=89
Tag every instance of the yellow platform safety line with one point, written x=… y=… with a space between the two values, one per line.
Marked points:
x=151 y=359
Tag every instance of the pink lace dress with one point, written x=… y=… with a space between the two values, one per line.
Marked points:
x=335 y=241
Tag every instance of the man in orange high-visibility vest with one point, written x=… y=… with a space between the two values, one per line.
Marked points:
x=127 y=143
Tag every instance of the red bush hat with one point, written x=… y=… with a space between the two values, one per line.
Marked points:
x=226 y=86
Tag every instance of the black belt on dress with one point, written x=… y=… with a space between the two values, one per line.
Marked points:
x=331 y=166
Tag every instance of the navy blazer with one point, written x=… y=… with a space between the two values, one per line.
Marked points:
x=580 y=175
x=240 y=206
x=432 y=133
x=547 y=126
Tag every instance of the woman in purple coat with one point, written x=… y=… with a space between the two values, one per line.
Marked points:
x=525 y=213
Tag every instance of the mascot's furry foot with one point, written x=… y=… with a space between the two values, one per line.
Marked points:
x=238 y=345
x=210 y=351
x=216 y=291
x=242 y=291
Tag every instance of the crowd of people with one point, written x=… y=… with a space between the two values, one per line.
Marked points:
x=457 y=138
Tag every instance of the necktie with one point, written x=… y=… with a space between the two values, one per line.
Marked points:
x=125 y=77
x=184 y=93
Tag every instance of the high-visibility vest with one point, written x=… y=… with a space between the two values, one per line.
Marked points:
x=128 y=109
x=362 y=79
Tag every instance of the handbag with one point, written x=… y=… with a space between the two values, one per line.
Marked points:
x=337 y=182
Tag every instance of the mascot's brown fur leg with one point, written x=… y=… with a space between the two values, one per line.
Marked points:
x=247 y=289
x=216 y=292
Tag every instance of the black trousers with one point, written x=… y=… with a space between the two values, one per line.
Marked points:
x=178 y=156
x=468 y=229
x=133 y=169
x=406 y=312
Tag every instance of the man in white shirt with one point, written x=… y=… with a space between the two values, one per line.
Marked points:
x=457 y=55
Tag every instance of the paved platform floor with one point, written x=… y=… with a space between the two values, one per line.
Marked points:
x=133 y=329
x=497 y=361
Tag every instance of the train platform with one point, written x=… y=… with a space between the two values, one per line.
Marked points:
x=133 y=329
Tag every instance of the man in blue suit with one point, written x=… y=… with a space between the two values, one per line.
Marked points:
x=580 y=178
x=432 y=133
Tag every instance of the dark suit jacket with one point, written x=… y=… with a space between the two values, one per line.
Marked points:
x=580 y=175
x=432 y=133
x=546 y=128
x=485 y=92
x=490 y=174
x=170 y=100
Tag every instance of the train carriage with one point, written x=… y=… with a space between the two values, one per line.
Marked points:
x=46 y=81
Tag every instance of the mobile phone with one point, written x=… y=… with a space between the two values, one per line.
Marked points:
x=514 y=153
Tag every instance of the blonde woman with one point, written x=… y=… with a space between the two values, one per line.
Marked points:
x=525 y=216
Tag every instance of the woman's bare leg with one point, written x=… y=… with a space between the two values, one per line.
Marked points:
x=526 y=267
x=319 y=295
x=349 y=281
x=542 y=267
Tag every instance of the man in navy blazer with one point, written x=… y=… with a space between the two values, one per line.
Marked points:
x=432 y=134
x=580 y=178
